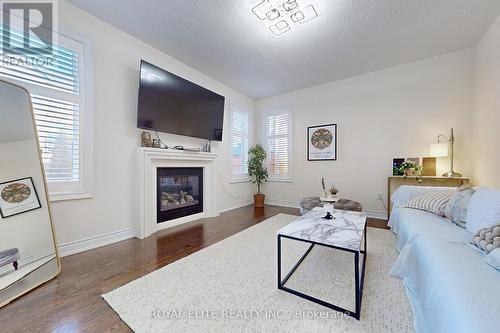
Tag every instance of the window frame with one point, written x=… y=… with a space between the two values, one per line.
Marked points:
x=84 y=188
x=241 y=178
x=274 y=111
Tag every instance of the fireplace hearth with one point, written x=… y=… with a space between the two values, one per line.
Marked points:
x=179 y=192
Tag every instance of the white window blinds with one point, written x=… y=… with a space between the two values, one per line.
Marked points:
x=277 y=143
x=240 y=129
x=57 y=96
x=57 y=122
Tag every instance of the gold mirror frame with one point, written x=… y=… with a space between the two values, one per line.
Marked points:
x=49 y=209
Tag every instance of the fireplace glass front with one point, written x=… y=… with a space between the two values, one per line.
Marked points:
x=179 y=192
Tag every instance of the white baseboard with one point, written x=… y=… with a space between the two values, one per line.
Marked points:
x=86 y=244
x=292 y=204
x=235 y=205
x=282 y=203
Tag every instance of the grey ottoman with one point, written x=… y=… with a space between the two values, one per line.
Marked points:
x=309 y=203
x=10 y=256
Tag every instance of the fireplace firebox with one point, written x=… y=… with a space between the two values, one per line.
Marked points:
x=179 y=192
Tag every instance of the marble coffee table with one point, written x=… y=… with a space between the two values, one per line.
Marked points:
x=346 y=232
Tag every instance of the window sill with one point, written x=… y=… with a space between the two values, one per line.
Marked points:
x=280 y=180
x=69 y=196
x=239 y=180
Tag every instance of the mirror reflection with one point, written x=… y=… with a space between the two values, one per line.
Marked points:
x=28 y=255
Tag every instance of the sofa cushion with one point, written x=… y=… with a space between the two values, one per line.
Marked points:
x=456 y=208
x=450 y=287
x=405 y=193
x=484 y=210
x=409 y=224
x=434 y=202
x=487 y=239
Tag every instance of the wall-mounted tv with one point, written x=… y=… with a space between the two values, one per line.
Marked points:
x=171 y=104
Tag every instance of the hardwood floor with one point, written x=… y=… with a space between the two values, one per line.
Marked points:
x=72 y=302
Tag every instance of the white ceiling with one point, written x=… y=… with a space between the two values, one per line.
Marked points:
x=224 y=39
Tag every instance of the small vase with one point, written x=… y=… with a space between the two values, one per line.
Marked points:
x=409 y=172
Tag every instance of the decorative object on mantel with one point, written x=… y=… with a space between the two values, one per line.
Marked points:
x=441 y=149
x=146 y=139
x=410 y=168
x=207 y=147
x=156 y=143
x=322 y=143
x=258 y=174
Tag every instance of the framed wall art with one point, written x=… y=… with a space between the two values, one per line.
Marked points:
x=18 y=196
x=322 y=143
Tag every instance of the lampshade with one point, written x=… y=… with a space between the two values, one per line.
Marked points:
x=439 y=150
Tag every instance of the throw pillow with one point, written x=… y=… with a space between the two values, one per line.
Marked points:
x=493 y=259
x=487 y=239
x=456 y=208
x=484 y=210
x=434 y=202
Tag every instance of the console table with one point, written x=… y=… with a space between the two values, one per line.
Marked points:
x=396 y=181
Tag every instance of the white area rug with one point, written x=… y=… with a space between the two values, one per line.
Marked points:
x=231 y=286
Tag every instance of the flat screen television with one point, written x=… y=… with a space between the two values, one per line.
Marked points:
x=171 y=104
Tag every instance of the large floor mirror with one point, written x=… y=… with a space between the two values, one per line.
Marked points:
x=28 y=252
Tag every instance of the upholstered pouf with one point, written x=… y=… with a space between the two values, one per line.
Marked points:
x=306 y=204
x=346 y=204
x=309 y=203
x=10 y=256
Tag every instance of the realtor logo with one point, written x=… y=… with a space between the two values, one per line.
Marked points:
x=28 y=28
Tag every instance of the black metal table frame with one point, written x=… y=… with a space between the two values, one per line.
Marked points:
x=359 y=281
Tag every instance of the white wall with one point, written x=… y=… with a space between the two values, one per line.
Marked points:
x=487 y=107
x=396 y=112
x=115 y=58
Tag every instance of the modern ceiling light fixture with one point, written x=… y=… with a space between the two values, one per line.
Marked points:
x=281 y=15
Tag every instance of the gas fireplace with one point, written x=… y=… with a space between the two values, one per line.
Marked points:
x=179 y=192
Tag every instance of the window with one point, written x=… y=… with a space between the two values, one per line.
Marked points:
x=58 y=96
x=277 y=142
x=240 y=137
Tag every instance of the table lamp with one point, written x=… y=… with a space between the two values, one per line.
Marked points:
x=441 y=149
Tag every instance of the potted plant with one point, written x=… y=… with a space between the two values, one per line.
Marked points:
x=257 y=172
x=409 y=168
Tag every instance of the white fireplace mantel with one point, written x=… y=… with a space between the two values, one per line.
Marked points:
x=148 y=160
